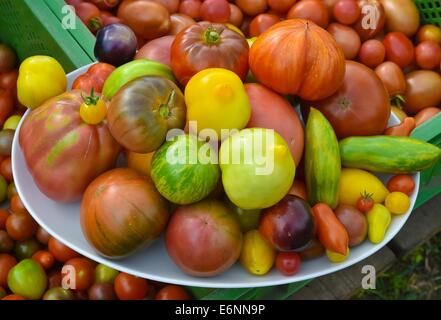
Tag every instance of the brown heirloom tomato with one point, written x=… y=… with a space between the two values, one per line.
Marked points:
x=143 y=111
x=115 y=225
x=208 y=45
x=347 y=38
x=423 y=90
x=393 y=78
x=278 y=60
x=63 y=153
x=372 y=19
x=360 y=107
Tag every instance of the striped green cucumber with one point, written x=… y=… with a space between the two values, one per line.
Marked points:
x=322 y=160
x=388 y=154
x=133 y=70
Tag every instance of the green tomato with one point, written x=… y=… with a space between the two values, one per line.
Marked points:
x=249 y=219
x=3 y=189
x=26 y=249
x=105 y=274
x=12 y=122
x=28 y=279
x=257 y=168
x=58 y=293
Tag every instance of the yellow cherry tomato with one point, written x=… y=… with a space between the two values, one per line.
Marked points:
x=216 y=99
x=397 y=202
x=39 y=79
x=337 y=257
x=354 y=182
x=141 y=162
x=93 y=110
x=12 y=122
x=257 y=255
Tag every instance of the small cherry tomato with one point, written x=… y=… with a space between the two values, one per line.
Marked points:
x=6 y=263
x=288 y=263
x=44 y=258
x=346 y=11
x=399 y=49
x=372 y=53
x=4 y=214
x=42 y=236
x=6 y=243
x=16 y=205
x=365 y=202
x=128 y=287
x=21 y=226
x=61 y=252
x=215 y=11
x=84 y=273
x=402 y=183
x=93 y=110
x=397 y=202
x=428 y=55
x=172 y=292
x=6 y=169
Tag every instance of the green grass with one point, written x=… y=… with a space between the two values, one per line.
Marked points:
x=415 y=276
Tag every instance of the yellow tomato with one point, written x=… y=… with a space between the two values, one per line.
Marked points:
x=39 y=79
x=337 y=257
x=397 y=202
x=93 y=110
x=234 y=28
x=257 y=254
x=354 y=182
x=216 y=99
x=141 y=162
x=379 y=219
x=12 y=122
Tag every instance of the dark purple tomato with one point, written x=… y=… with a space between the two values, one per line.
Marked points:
x=116 y=44
x=288 y=225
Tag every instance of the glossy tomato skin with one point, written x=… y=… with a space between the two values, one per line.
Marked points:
x=128 y=287
x=402 y=15
x=281 y=48
x=347 y=38
x=158 y=50
x=252 y=7
x=6 y=169
x=401 y=183
x=6 y=263
x=84 y=270
x=288 y=263
x=236 y=15
x=102 y=291
x=146 y=207
x=355 y=110
x=282 y=119
x=179 y=22
x=147 y=19
x=42 y=236
x=425 y=114
x=399 y=49
x=429 y=32
x=26 y=249
x=376 y=25
x=204 y=239
x=54 y=166
x=21 y=226
x=94 y=78
x=8 y=80
x=422 y=90
x=289 y=225
x=261 y=23
x=206 y=45
x=4 y=214
x=392 y=77
x=428 y=55
x=172 y=292
x=281 y=6
x=217 y=11
x=372 y=53
x=16 y=205
x=354 y=222
x=346 y=11
x=6 y=243
x=61 y=252
x=44 y=258
x=191 y=8
x=313 y=10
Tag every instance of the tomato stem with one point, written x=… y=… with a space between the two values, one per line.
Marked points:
x=398 y=101
x=212 y=36
x=164 y=109
x=92 y=99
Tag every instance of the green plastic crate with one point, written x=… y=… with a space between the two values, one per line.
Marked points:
x=34 y=27
x=430 y=11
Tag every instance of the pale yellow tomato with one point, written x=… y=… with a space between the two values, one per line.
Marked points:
x=257 y=254
x=141 y=162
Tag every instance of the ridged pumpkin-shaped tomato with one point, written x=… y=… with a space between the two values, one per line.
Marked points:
x=298 y=57
x=143 y=111
x=62 y=152
x=121 y=211
x=208 y=45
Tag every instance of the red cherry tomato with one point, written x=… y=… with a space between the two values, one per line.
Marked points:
x=42 y=236
x=84 y=273
x=428 y=55
x=8 y=80
x=288 y=263
x=4 y=214
x=399 y=49
x=6 y=169
x=372 y=53
x=401 y=183
x=261 y=23
x=346 y=11
x=6 y=263
x=172 y=292
x=61 y=252
x=128 y=287
x=365 y=202
x=215 y=11
x=16 y=205
x=44 y=258
x=236 y=15
x=21 y=226
x=191 y=8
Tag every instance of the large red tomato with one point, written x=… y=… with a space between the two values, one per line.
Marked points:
x=121 y=211
x=360 y=107
x=63 y=153
x=279 y=60
x=207 y=45
x=270 y=110
x=204 y=239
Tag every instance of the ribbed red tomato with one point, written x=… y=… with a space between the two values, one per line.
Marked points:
x=360 y=107
x=278 y=60
x=208 y=45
